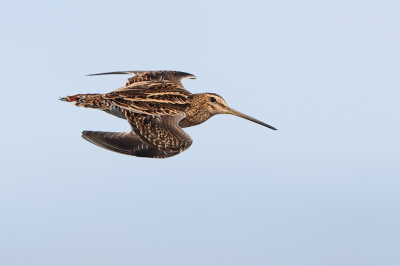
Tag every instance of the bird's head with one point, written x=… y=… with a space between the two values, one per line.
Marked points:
x=215 y=104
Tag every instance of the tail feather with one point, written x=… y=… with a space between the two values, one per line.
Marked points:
x=86 y=100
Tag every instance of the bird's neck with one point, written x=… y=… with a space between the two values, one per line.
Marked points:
x=195 y=115
x=194 y=118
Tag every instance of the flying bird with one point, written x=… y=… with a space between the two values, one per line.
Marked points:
x=157 y=107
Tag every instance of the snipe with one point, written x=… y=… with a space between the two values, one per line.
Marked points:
x=157 y=107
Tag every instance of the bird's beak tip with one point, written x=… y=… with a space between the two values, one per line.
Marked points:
x=239 y=114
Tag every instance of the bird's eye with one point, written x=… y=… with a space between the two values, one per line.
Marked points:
x=213 y=99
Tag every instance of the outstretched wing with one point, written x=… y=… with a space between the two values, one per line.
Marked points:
x=152 y=136
x=124 y=142
x=159 y=75
x=160 y=131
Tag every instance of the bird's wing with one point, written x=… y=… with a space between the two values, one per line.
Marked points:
x=160 y=131
x=151 y=92
x=124 y=142
x=151 y=98
x=152 y=136
x=159 y=75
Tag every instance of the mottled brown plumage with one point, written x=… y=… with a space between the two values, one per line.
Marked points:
x=157 y=107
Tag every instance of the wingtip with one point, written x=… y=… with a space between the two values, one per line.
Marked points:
x=96 y=74
x=112 y=73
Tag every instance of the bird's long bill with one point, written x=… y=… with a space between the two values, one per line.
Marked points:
x=239 y=114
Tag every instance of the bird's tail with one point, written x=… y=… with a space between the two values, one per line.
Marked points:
x=86 y=100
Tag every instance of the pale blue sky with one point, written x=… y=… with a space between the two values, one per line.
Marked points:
x=322 y=190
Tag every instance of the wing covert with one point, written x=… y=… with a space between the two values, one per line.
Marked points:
x=160 y=131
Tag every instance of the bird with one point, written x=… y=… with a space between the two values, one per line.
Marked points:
x=157 y=107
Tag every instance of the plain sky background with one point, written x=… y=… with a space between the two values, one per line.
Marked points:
x=322 y=190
